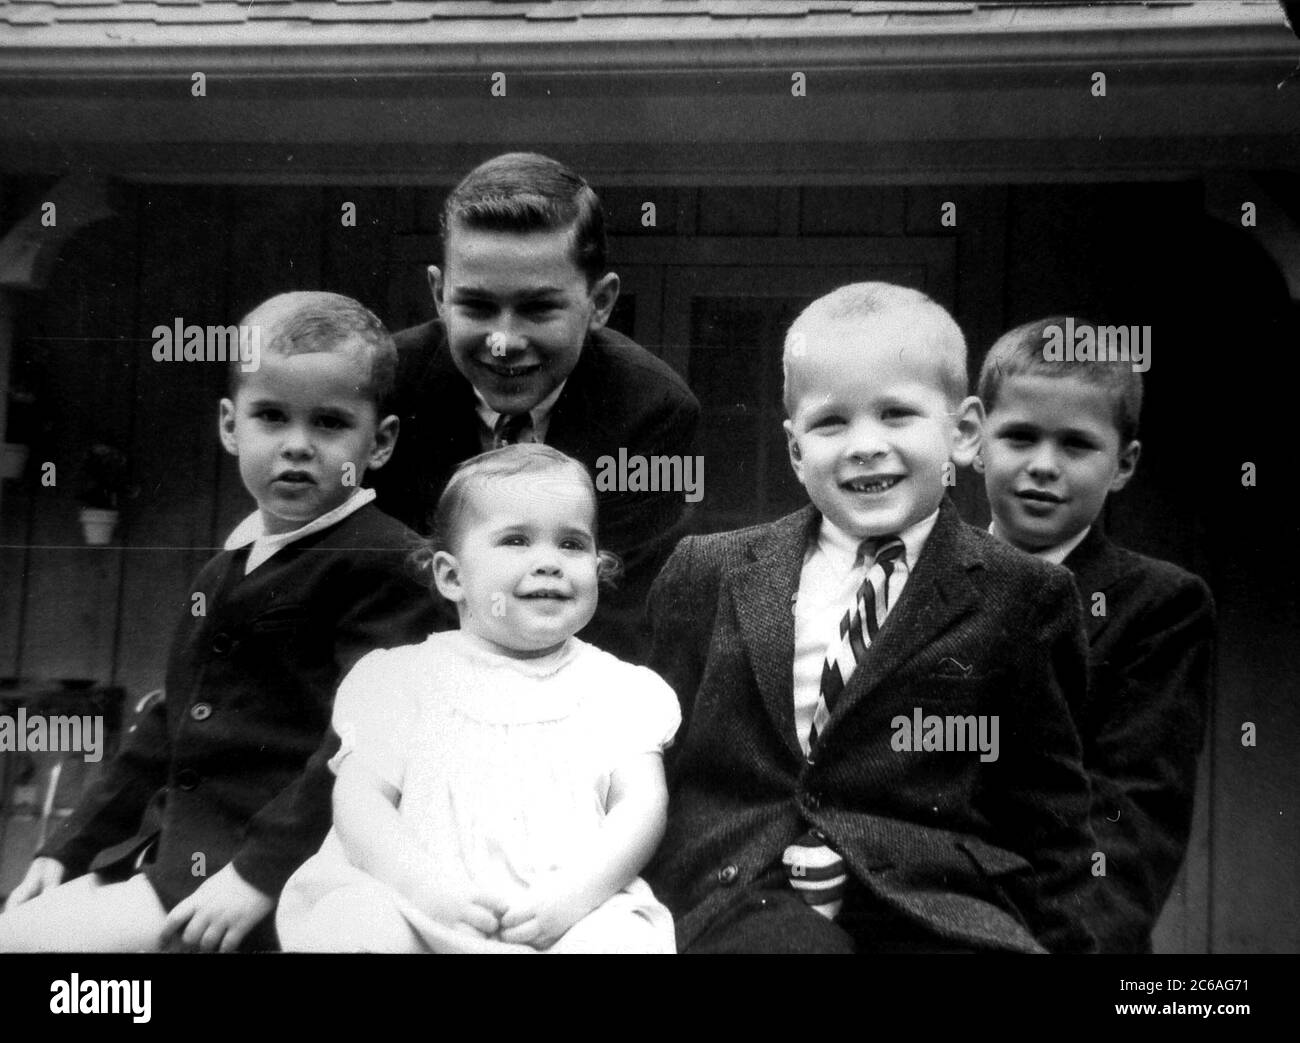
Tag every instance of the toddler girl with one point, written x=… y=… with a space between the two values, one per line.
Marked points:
x=499 y=787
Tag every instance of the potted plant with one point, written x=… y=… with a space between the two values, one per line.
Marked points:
x=104 y=484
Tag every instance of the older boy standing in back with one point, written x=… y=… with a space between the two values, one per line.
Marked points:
x=520 y=353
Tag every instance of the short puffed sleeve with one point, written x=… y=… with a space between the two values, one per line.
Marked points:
x=645 y=713
x=375 y=712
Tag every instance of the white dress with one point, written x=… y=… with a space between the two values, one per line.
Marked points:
x=503 y=766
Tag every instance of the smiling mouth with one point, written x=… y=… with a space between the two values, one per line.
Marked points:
x=511 y=372
x=878 y=484
x=545 y=595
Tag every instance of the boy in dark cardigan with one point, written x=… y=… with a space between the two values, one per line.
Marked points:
x=220 y=790
x=1061 y=437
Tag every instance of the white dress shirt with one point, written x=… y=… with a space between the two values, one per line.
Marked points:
x=828 y=584
x=540 y=415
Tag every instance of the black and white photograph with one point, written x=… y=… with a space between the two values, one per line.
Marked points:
x=654 y=477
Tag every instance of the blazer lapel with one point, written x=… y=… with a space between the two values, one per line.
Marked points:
x=436 y=404
x=762 y=592
x=938 y=593
x=452 y=436
x=581 y=421
x=1096 y=567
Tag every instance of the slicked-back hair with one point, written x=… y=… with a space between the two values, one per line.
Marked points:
x=305 y=321
x=527 y=192
x=1019 y=352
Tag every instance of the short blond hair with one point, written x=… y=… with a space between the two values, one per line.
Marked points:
x=871 y=300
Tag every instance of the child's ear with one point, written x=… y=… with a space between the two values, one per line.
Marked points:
x=604 y=295
x=446 y=576
x=1128 y=461
x=385 y=440
x=435 y=287
x=792 y=444
x=226 y=426
x=968 y=422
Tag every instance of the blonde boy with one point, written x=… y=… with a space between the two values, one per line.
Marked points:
x=877 y=754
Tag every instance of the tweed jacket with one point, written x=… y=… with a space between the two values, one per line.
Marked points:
x=989 y=855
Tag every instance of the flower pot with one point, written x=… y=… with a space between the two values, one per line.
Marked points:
x=97 y=525
x=13 y=460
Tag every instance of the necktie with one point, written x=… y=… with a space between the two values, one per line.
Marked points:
x=511 y=428
x=815 y=870
x=858 y=627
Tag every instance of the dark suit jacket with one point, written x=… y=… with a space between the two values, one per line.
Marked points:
x=990 y=855
x=618 y=396
x=220 y=768
x=1151 y=655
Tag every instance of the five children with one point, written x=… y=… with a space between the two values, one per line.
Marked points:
x=894 y=735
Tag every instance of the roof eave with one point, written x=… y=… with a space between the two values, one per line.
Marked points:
x=880 y=52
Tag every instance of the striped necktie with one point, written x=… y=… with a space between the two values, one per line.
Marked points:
x=858 y=626
x=511 y=428
x=812 y=865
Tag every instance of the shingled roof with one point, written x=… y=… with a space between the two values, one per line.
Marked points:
x=30 y=25
x=390 y=90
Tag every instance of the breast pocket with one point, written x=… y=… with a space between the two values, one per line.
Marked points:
x=940 y=736
x=929 y=694
x=281 y=620
x=287 y=656
x=287 y=633
x=291 y=631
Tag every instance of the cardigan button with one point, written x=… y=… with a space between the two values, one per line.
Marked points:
x=187 y=778
x=201 y=711
x=728 y=873
x=222 y=643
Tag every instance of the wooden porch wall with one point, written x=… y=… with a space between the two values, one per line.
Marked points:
x=208 y=254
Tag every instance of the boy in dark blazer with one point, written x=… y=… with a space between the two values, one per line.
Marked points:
x=932 y=799
x=520 y=352
x=221 y=789
x=1061 y=437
